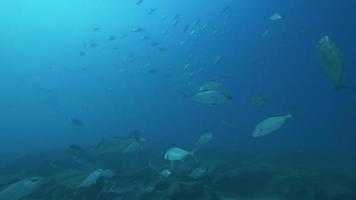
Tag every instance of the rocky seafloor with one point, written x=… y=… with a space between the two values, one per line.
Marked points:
x=226 y=176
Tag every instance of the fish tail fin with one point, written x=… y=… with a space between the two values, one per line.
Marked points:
x=192 y=154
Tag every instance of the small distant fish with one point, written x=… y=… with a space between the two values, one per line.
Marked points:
x=154 y=44
x=218 y=60
x=276 y=17
x=82 y=53
x=152 y=71
x=198 y=173
x=138 y=30
x=165 y=173
x=152 y=10
x=266 y=32
x=139 y=2
x=193 y=32
x=112 y=37
x=96 y=29
x=210 y=97
x=161 y=49
x=77 y=122
x=176 y=154
x=257 y=100
x=270 y=125
x=203 y=28
x=205 y=138
x=226 y=11
x=175 y=22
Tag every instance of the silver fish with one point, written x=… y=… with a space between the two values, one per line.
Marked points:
x=210 y=85
x=21 y=189
x=332 y=61
x=127 y=144
x=211 y=97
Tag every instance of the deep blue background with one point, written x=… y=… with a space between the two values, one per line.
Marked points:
x=44 y=83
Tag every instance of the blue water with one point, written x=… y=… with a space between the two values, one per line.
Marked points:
x=126 y=84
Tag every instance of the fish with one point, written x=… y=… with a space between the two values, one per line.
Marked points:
x=139 y=2
x=21 y=189
x=332 y=61
x=198 y=173
x=152 y=10
x=266 y=33
x=96 y=29
x=226 y=11
x=154 y=44
x=165 y=173
x=123 y=144
x=270 y=125
x=138 y=30
x=93 y=177
x=112 y=37
x=175 y=22
x=205 y=138
x=77 y=122
x=257 y=100
x=276 y=17
x=210 y=86
x=152 y=71
x=162 y=49
x=218 y=60
x=204 y=27
x=176 y=154
x=211 y=97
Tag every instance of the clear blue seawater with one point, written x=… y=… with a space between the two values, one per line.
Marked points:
x=77 y=71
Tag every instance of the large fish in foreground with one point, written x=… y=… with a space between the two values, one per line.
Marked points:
x=270 y=125
x=21 y=189
x=332 y=61
x=212 y=97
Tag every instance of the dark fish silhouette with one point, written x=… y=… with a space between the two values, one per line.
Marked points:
x=112 y=37
x=139 y=2
x=77 y=122
x=96 y=29
x=152 y=10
